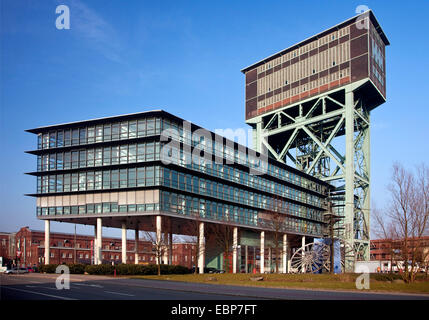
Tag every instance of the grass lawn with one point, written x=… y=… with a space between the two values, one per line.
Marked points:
x=302 y=281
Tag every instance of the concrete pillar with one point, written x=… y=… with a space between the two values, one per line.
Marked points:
x=158 y=238
x=303 y=251
x=165 y=255
x=99 y=240
x=262 y=252
x=94 y=247
x=136 y=247
x=124 y=243
x=246 y=258
x=47 y=241
x=201 y=248
x=234 y=249
x=284 y=254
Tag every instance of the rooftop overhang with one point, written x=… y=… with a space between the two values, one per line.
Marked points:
x=322 y=34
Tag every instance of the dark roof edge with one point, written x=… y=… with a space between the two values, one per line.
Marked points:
x=95 y=120
x=372 y=17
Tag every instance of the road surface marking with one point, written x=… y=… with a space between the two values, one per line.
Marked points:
x=39 y=293
x=88 y=285
x=122 y=294
x=50 y=288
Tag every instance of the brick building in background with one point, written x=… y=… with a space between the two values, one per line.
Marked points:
x=183 y=254
x=382 y=250
x=7 y=244
x=26 y=247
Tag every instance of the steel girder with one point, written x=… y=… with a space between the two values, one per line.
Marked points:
x=306 y=135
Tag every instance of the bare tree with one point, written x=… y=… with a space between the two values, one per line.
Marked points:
x=221 y=234
x=422 y=258
x=384 y=229
x=159 y=244
x=409 y=214
x=192 y=229
x=276 y=223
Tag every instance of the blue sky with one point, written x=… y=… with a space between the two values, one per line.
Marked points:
x=184 y=57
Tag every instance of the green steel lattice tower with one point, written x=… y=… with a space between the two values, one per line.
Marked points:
x=309 y=106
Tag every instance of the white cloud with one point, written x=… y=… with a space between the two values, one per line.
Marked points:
x=95 y=30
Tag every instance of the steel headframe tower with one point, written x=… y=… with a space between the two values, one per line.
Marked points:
x=309 y=106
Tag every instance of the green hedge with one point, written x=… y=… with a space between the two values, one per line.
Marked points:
x=102 y=269
x=48 y=268
x=74 y=268
x=135 y=269
x=121 y=269
x=386 y=276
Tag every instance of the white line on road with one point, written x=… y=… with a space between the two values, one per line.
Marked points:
x=88 y=285
x=50 y=288
x=122 y=294
x=39 y=293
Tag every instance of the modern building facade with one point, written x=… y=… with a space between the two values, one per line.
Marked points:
x=309 y=106
x=155 y=172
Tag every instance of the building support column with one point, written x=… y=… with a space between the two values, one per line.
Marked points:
x=158 y=248
x=136 y=246
x=166 y=251
x=201 y=248
x=234 y=249
x=94 y=247
x=246 y=257
x=47 y=241
x=262 y=252
x=124 y=243
x=303 y=252
x=99 y=242
x=284 y=254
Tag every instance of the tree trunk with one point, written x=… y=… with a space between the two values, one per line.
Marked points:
x=391 y=257
x=426 y=267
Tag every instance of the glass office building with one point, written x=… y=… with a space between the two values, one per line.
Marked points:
x=111 y=157
x=129 y=167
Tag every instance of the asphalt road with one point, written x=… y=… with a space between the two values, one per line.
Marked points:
x=86 y=287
